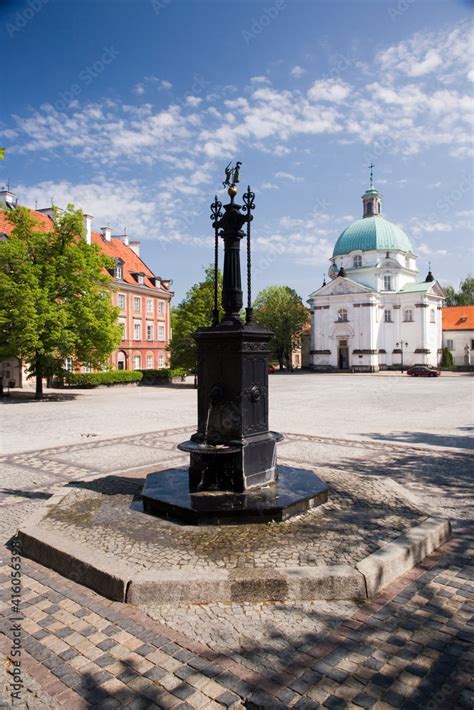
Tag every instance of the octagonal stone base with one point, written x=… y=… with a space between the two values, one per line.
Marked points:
x=166 y=494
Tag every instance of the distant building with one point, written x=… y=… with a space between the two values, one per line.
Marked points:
x=375 y=313
x=458 y=333
x=142 y=296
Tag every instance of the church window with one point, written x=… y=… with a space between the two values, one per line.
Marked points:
x=357 y=261
x=342 y=315
x=407 y=261
x=408 y=315
x=387 y=283
x=387 y=316
x=369 y=208
x=432 y=316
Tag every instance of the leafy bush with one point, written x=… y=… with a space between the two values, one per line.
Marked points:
x=447 y=359
x=164 y=374
x=93 y=379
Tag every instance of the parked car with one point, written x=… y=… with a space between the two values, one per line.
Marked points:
x=422 y=371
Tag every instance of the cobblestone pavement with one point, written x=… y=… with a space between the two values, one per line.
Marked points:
x=411 y=647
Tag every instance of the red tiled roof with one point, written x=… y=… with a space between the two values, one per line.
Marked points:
x=115 y=248
x=6 y=227
x=458 y=318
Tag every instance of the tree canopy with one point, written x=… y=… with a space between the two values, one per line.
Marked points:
x=280 y=309
x=195 y=311
x=463 y=297
x=54 y=296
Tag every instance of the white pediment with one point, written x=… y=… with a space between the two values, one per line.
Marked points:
x=341 y=286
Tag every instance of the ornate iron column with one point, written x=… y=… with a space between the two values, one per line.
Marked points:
x=233 y=474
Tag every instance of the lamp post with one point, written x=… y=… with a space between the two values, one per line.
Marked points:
x=401 y=345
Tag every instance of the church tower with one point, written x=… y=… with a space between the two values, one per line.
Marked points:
x=372 y=199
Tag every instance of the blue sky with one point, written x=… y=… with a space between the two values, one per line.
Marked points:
x=131 y=109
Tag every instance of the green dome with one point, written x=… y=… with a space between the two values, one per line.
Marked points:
x=371 y=233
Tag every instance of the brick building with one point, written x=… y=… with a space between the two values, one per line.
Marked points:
x=142 y=296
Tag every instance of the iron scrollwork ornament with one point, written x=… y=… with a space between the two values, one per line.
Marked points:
x=249 y=205
x=216 y=214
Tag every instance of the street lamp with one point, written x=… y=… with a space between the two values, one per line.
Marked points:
x=401 y=346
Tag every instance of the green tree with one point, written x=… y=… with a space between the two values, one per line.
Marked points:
x=280 y=309
x=54 y=296
x=463 y=297
x=194 y=312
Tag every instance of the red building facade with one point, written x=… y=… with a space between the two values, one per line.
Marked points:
x=142 y=296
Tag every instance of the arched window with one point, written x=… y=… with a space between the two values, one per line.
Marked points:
x=357 y=261
x=137 y=362
x=408 y=315
x=342 y=315
x=369 y=208
x=432 y=316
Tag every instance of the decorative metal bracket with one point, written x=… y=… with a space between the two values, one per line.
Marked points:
x=216 y=214
x=249 y=205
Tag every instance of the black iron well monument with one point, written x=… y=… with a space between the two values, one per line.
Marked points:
x=233 y=475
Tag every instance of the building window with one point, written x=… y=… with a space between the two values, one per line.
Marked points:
x=140 y=279
x=472 y=344
x=161 y=307
x=432 y=316
x=137 y=334
x=408 y=315
x=387 y=316
x=122 y=326
x=161 y=332
x=161 y=360
x=450 y=344
x=407 y=261
x=121 y=301
x=68 y=364
x=136 y=304
x=342 y=315
x=149 y=331
x=137 y=362
x=149 y=361
x=149 y=305
x=357 y=261
x=118 y=271
x=121 y=360
x=387 y=283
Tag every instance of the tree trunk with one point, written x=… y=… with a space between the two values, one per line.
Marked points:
x=39 y=383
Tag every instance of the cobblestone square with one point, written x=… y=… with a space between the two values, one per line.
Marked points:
x=409 y=647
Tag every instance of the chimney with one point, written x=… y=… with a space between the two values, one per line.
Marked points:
x=106 y=233
x=87 y=228
x=135 y=246
x=8 y=197
x=123 y=238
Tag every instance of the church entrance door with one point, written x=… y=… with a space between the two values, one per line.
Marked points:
x=343 y=357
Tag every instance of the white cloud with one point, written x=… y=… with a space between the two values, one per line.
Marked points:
x=269 y=186
x=193 y=100
x=297 y=71
x=426 y=250
x=259 y=80
x=333 y=90
x=139 y=89
x=282 y=175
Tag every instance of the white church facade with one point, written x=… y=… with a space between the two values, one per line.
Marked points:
x=375 y=313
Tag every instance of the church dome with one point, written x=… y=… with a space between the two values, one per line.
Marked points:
x=372 y=233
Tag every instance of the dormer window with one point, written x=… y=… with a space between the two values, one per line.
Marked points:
x=139 y=277
x=357 y=261
x=118 y=269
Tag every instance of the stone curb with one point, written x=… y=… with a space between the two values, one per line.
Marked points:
x=397 y=557
x=118 y=581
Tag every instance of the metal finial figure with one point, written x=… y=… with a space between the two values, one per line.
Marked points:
x=249 y=205
x=216 y=215
x=232 y=174
x=371 y=167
